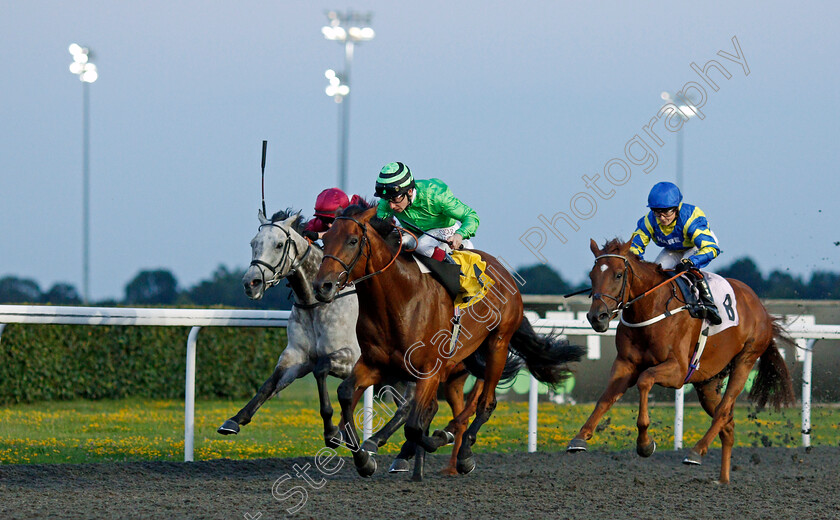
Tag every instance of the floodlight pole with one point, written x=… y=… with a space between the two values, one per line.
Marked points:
x=86 y=191
x=83 y=67
x=343 y=145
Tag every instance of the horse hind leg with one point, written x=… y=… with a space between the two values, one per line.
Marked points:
x=458 y=425
x=709 y=395
x=283 y=375
x=724 y=414
x=496 y=360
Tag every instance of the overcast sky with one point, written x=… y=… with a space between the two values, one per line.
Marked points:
x=510 y=103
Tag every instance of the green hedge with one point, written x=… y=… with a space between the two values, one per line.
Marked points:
x=50 y=362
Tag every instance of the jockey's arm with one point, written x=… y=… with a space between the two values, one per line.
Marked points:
x=641 y=237
x=451 y=206
x=697 y=230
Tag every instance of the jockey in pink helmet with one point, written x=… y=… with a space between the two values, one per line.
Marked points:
x=327 y=206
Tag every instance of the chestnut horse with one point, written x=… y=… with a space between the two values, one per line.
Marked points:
x=659 y=353
x=405 y=324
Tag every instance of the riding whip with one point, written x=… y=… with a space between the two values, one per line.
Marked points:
x=265 y=144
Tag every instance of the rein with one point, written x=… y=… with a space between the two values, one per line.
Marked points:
x=622 y=305
x=348 y=268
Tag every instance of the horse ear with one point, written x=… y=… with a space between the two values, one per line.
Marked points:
x=291 y=221
x=625 y=247
x=593 y=246
x=261 y=216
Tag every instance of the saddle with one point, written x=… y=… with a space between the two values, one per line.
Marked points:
x=465 y=281
x=449 y=275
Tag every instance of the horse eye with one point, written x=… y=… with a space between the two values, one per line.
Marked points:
x=619 y=275
x=353 y=241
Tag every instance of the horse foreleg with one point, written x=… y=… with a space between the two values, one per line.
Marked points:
x=338 y=364
x=378 y=439
x=349 y=393
x=622 y=377
x=668 y=373
x=422 y=413
x=284 y=373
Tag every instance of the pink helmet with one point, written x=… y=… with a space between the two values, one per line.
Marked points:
x=330 y=201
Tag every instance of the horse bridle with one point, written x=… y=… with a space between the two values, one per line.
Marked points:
x=621 y=302
x=278 y=271
x=365 y=241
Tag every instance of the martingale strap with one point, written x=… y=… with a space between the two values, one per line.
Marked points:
x=698 y=351
x=666 y=314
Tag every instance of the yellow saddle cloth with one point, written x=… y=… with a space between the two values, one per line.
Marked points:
x=475 y=282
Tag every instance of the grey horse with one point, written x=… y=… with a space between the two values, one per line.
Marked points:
x=321 y=338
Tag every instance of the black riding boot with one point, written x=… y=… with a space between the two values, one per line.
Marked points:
x=707 y=301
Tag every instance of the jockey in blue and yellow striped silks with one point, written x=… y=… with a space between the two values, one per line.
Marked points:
x=689 y=230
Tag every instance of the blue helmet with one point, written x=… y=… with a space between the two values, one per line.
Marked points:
x=664 y=195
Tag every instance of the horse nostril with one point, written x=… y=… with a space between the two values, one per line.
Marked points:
x=255 y=282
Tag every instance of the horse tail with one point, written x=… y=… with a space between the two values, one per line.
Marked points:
x=773 y=383
x=547 y=357
x=476 y=364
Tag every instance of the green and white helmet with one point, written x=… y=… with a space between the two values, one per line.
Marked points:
x=394 y=179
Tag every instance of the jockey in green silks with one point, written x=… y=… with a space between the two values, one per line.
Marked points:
x=428 y=206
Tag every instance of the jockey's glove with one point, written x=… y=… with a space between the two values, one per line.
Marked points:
x=311 y=235
x=685 y=265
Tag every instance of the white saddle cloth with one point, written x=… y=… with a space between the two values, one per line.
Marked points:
x=725 y=302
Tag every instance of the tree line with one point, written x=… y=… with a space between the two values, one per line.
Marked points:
x=224 y=287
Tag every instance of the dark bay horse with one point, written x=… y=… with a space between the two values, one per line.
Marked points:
x=660 y=353
x=322 y=336
x=405 y=330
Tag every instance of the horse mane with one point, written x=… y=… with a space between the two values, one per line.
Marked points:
x=382 y=226
x=614 y=246
x=283 y=214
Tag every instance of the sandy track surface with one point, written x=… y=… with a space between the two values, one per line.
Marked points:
x=772 y=483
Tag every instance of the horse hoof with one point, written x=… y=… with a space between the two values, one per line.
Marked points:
x=693 y=459
x=368 y=468
x=230 y=427
x=447 y=436
x=333 y=438
x=370 y=446
x=465 y=466
x=646 y=451
x=576 y=445
x=399 y=466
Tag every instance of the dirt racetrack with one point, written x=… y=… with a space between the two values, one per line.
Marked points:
x=772 y=483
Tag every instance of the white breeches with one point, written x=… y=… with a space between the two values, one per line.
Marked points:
x=426 y=244
x=669 y=259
